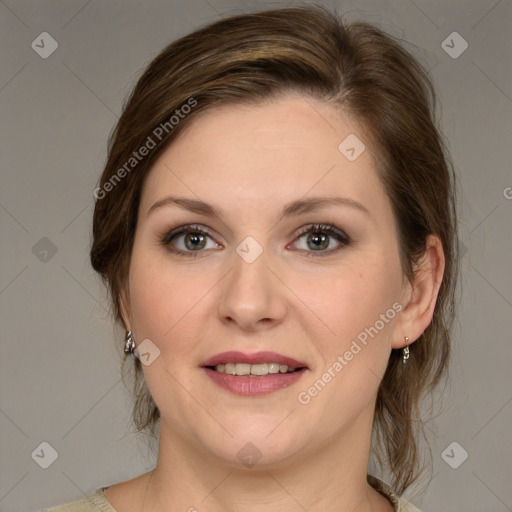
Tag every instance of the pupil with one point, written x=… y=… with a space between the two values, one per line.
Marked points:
x=317 y=237
x=194 y=238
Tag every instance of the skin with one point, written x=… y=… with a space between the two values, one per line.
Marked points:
x=250 y=161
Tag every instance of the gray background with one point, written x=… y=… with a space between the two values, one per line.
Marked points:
x=60 y=375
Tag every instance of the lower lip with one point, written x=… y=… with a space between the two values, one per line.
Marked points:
x=254 y=386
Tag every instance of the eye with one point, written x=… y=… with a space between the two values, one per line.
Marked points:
x=194 y=240
x=319 y=238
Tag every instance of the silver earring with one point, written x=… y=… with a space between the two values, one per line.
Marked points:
x=129 y=344
x=405 y=351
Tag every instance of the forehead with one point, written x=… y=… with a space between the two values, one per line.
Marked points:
x=292 y=127
x=271 y=152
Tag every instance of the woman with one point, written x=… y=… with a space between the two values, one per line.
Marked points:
x=276 y=226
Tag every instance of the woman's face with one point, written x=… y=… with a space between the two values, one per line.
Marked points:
x=260 y=281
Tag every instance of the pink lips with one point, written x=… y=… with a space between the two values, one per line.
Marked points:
x=245 y=385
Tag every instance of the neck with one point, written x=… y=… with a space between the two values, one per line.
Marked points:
x=328 y=477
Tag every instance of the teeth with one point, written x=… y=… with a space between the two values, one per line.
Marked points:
x=253 y=369
x=274 y=367
x=256 y=369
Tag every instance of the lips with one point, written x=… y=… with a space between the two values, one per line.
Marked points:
x=255 y=358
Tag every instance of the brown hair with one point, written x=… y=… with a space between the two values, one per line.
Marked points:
x=354 y=67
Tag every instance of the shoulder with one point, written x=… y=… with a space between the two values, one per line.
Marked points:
x=93 y=503
x=399 y=504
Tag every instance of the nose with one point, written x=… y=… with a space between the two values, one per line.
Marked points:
x=253 y=296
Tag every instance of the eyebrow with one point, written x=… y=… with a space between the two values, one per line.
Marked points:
x=297 y=207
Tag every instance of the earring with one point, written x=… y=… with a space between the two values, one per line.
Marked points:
x=129 y=344
x=405 y=351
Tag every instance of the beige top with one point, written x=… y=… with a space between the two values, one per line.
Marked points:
x=97 y=502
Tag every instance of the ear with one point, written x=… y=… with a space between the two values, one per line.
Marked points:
x=419 y=299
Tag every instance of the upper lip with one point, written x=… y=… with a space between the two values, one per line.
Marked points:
x=255 y=358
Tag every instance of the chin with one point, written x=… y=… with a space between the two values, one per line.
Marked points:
x=263 y=448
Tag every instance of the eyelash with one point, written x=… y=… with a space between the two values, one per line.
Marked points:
x=326 y=229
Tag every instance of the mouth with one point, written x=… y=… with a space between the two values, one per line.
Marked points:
x=253 y=374
x=258 y=364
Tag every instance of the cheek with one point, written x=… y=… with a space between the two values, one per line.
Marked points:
x=151 y=301
x=359 y=310
x=360 y=295
x=164 y=305
x=168 y=302
x=158 y=300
